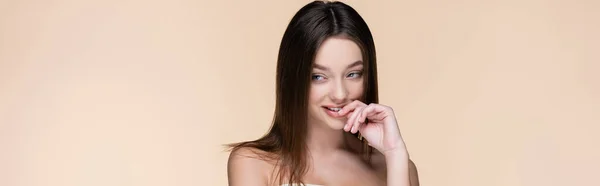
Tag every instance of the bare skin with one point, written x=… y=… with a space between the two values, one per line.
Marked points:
x=334 y=113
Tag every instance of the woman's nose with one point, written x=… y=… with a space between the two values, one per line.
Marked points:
x=339 y=92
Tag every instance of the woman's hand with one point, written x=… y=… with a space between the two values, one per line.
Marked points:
x=381 y=130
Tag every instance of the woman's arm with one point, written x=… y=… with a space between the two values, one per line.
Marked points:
x=397 y=164
x=244 y=168
x=382 y=132
x=401 y=169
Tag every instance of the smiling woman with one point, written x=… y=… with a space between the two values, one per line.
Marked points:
x=336 y=79
x=328 y=128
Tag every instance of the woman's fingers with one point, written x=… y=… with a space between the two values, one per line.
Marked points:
x=354 y=121
x=374 y=112
x=351 y=107
x=347 y=126
x=351 y=118
x=358 y=112
x=351 y=111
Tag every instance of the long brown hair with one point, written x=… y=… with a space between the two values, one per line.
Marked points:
x=309 y=27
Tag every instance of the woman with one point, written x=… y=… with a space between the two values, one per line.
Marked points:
x=327 y=121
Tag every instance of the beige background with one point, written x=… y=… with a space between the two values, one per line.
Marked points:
x=112 y=92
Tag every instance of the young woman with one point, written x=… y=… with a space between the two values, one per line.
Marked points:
x=328 y=128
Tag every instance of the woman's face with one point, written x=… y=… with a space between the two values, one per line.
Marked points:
x=336 y=80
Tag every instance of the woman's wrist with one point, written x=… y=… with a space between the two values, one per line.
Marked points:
x=397 y=154
x=398 y=150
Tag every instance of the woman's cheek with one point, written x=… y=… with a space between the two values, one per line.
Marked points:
x=317 y=92
x=356 y=90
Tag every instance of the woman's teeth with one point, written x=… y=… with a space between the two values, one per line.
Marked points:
x=335 y=109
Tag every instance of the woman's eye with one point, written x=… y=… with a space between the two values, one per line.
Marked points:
x=317 y=77
x=354 y=74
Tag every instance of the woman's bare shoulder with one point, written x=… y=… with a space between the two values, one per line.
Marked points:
x=249 y=166
x=248 y=156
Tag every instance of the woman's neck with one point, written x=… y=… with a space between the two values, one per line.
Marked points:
x=322 y=139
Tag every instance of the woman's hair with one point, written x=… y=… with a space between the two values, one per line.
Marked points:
x=311 y=25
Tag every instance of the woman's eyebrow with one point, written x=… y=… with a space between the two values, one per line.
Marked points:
x=356 y=63
x=317 y=66
x=320 y=67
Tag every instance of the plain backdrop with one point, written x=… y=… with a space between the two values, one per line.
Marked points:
x=145 y=93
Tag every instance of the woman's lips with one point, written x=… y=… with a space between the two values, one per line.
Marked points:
x=333 y=112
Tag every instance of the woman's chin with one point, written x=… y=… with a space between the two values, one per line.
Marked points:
x=336 y=125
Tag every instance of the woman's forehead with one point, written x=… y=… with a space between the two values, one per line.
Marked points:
x=337 y=52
